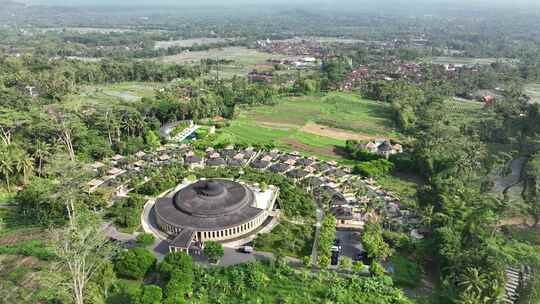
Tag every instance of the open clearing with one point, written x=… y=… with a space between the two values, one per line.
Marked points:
x=240 y=55
x=188 y=42
x=533 y=91
x=466 y=60
x=314 y=124
x=111 y=94
x=321 y=130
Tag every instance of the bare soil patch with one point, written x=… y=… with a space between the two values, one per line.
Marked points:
x=321 y=130
x=296 y=145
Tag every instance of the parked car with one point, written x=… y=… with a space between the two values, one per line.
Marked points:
x=337 y=243
x=246 y=249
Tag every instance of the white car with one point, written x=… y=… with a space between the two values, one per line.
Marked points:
x=246 y=249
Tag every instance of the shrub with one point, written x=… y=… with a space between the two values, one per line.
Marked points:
x=345 y=263
x=405 y=162
x=145 y=239
x=151 y=294
x=376 y=269
x=406 y=272
x=373 y=168
x=134 y=263
x=33 y=248
x=213 y=251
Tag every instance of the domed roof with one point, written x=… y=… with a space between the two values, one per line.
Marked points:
x=210 y=198
x=208 y=205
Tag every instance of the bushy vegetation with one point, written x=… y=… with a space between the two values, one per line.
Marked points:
x=32 y=248
x=373 y=168
x=326 y=240
x=134 y=263
x=145 y=239
x=291 y=239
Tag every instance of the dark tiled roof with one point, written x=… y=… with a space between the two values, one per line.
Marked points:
x=336 y=172
x=194 y=159
x=279 y=168
x=215 y=162
x=286 y=157
x=313 y=181
x=304 y=161
x=259 y=164
x=235 y=162
x=321 y=167
x=183 y=239
x=208 y=205
x=297 y=173
x=228 y=153
x=342 y=213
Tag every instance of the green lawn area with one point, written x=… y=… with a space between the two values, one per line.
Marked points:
x=465 y=60
x=403 y=185
x=533 y=91
x=295 y=240
x=407 y=273
x=523 y=234
x=244 y=59
x=316 y=125
x=6 y=197
x=112 y=93
x=461 y=113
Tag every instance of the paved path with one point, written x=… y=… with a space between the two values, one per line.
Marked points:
x=503 y=183
x=319 y=215
x=167 y=128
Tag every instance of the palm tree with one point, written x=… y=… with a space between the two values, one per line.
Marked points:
x=6 y=166
x=41 y=154
x=472 y=282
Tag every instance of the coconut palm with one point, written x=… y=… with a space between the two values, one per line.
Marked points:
x=41 y=154
x=472 y=281
x=6 y=166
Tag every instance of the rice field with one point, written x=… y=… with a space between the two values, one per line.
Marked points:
x=240 y=55
x=533 y=91
x=113 y=93
x=188 y=42
x=466 y=60
x=317 y=125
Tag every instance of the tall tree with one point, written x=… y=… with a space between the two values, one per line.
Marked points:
x=81 y=249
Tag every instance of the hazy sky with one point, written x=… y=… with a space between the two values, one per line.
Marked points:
x=405 y=3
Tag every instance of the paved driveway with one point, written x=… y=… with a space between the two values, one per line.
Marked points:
x=350 y=243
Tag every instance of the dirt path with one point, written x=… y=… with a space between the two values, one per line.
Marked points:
x=325 y=131
x=296 y=145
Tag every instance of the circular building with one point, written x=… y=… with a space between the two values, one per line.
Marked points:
x=215 y=209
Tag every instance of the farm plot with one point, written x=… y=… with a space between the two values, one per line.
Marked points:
x=467 y=60
x=533 y=91
x=188 y=42
x=318 y=125
x=113 y=93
